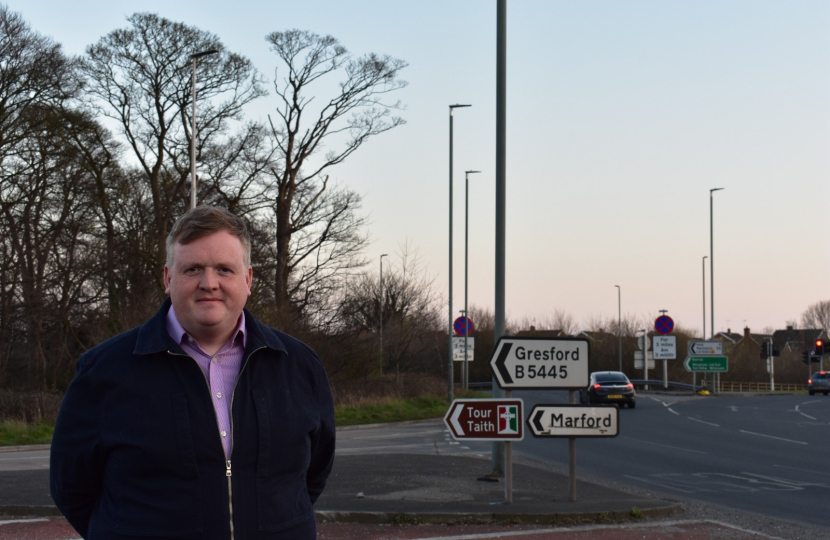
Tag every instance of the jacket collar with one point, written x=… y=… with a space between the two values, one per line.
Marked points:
x=153 y=336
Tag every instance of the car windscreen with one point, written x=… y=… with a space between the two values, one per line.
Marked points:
x=611 y=377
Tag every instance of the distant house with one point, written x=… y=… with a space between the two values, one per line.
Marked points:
x=796 y=340
x=532 y=332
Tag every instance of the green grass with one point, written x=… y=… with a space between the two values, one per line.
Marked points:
x=20 y=433
x=397 y=410
x=376 y=412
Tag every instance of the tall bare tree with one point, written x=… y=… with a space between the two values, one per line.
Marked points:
x=316 y=228
x=817 y=316
x=141 y=77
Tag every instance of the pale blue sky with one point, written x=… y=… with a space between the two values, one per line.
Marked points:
x=621 y=117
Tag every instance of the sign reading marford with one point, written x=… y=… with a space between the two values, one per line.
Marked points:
x=574 y=421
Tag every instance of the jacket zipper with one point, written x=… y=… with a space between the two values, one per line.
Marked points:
x=228 y=463
x=228 y=471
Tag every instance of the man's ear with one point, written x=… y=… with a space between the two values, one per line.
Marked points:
x=167 y=280
x=249 y=278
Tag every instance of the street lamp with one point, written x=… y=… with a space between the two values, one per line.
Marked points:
x=449 y=359
x=712 y=264
x=704 y=294
x=619 y=324
x=193 y=57
x=380 y=331
x=466 y=250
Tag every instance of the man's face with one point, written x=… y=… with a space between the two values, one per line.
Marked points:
x=209 y=284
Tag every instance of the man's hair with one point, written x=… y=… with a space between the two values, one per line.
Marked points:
x=206 y=220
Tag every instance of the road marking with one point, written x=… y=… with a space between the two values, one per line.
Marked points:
x=802 y=414
x=812 y=472
x=734 y=408
x=10 y=521
x=398 y=435
x=369 y=448
x=674 y=523
x=669 y=446
x=702 y=422
x=771 y=437
x=675 y=412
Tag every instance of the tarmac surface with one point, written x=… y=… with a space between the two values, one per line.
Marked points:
x=450 y=497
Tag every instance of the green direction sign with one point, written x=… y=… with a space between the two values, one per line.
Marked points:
x=706 y=363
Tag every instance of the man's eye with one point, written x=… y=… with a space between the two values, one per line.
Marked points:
x=224 y=270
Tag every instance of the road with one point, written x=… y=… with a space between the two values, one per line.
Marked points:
x=763 y=454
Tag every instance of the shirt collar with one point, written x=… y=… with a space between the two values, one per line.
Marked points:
x=177 y=332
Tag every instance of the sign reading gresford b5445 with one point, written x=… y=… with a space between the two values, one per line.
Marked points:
x=541 y=363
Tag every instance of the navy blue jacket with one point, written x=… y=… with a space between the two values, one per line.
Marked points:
x=137 y=451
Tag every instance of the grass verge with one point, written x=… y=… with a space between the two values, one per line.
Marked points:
x=397 y=409
x=17 y=433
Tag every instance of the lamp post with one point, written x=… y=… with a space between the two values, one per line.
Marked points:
x=712 y=262
x=380 y=330
x=704 y=294
x=193 y=57
x=466 y=250
x=619 y=324
x=449 y=359
x=703 y=271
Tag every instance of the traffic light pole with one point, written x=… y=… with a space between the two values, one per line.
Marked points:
x=771 y=366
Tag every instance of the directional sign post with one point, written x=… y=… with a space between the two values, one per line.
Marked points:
x=706 y=363
x=574 y=421
x=705 y=348
x=486 y=419
x=541 y=363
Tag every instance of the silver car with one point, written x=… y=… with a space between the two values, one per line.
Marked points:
x=819 y=382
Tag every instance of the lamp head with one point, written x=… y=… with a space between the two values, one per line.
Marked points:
x=203 y=53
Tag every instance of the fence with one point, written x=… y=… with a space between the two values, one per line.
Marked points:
x=759 y=387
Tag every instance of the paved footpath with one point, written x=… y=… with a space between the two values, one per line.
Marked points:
x=59 y=529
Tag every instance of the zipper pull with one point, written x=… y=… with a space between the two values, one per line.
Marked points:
x=228 y=468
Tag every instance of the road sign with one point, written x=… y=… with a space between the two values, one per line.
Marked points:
x=706 y=363
x=458 y=348
x=574 y=421
x=541 y=363
x=664 y=324
x=638 y=360
x=643 y=343
x=665 y=347
x=705 y=348
x=463 y=326
x=486 y=419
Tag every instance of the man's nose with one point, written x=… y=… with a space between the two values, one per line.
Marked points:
x=209 y=279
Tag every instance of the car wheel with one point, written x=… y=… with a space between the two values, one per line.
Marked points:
x=632 y=404
x=825 y=393
x=811 y=392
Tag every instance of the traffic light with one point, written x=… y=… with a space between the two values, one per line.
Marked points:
x=805 y=357
x=819 y=351
x=765 y=350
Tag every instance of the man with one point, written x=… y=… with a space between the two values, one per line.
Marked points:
x=202 y=423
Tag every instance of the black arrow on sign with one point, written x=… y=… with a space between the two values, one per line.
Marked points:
x=505 y=374
x=537 y=420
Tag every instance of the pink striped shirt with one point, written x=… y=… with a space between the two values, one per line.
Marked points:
x=221 y=370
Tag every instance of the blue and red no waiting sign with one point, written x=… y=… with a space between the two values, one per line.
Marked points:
x=664 y=324
x=463 y=326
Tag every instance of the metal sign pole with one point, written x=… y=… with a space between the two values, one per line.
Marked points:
x=771 y=368
x=572 y=453
x=508 y=463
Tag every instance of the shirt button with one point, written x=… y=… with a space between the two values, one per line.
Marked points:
x=190 y=339
x=219 y=395
x=224 y=434
x=214 y=360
